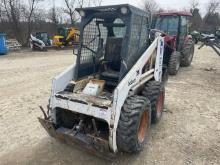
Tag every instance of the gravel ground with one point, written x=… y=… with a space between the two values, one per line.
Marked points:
x=189 y=132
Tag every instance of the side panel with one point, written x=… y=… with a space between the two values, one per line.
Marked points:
x=59 y=83
x=132 y=79
x=159 y=60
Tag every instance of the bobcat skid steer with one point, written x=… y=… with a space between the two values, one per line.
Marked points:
x=107 y=100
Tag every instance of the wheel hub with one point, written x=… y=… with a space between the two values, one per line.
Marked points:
x=143 y=125
x=160 y=102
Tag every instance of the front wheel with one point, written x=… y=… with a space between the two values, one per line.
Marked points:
x=187 y=54
x=134 y=124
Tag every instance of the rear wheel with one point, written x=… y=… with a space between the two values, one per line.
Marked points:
x=155 y=92
x=165 y=75
x=134 y=124
x=187 y=54
x=174 y=63
x=196 y=40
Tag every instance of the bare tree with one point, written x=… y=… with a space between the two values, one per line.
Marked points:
x=70 y=9
x=81 y=3
x=213 y=6
x=1 y=9
x=97 y=2
x=32 y=4
x=212 y=18
x=19 y=18
x=52 y=15
x=151 y=5
x=41 y=15
x=195 y=20
x=194 y=4
x=56 y=16
x=12 y=9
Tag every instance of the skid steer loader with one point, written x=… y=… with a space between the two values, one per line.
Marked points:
x=40 y=41
x=107 y=100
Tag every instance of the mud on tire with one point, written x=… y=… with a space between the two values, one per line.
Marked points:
x=187 y=54
x=155 y=92
x=134 y=124
x=174 y=63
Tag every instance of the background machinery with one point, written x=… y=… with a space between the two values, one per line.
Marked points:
x=40 y=41
x=212 y=41
x=196 y=36
x=179 y=49
x=107 y=100
x=66 y=37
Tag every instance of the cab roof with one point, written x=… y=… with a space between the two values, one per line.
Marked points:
x=114 y=8
x=180 y=13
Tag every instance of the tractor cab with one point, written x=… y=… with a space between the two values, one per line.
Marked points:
x=174 y=25
x=112 y=39
x=179 y=45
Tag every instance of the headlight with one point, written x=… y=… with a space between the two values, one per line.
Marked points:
x=82 y=13
x=124 y=10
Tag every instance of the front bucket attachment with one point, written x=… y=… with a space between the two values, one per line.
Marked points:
x=90 y=144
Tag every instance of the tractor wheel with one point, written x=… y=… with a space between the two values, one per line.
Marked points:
x=187 y=54
x=155 y=92
x=134 y=124
x=196 y=41
x=165 y=76
x=174 y=63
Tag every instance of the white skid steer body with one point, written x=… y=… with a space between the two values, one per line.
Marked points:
x=133 y=79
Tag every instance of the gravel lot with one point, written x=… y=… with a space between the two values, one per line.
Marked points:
x=189 y=132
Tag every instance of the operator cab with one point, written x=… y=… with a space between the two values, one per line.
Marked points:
x=101 y=46
x=174 y=25
x=112 y=45
x=167 y=24
x=110 y=42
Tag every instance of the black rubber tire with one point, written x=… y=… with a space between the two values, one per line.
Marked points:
x=187 y=54
x=165 y=75
x=174 y=63
x=153 y=91
x=196 y=41
x=44 y=49
x=128 y=126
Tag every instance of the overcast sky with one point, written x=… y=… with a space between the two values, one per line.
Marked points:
x=166 y=4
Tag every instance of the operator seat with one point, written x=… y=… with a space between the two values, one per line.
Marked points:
x=112 y=61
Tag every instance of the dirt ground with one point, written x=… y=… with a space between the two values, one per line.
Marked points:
x=189 y=132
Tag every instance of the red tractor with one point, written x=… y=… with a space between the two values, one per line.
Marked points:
x=179 y=49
